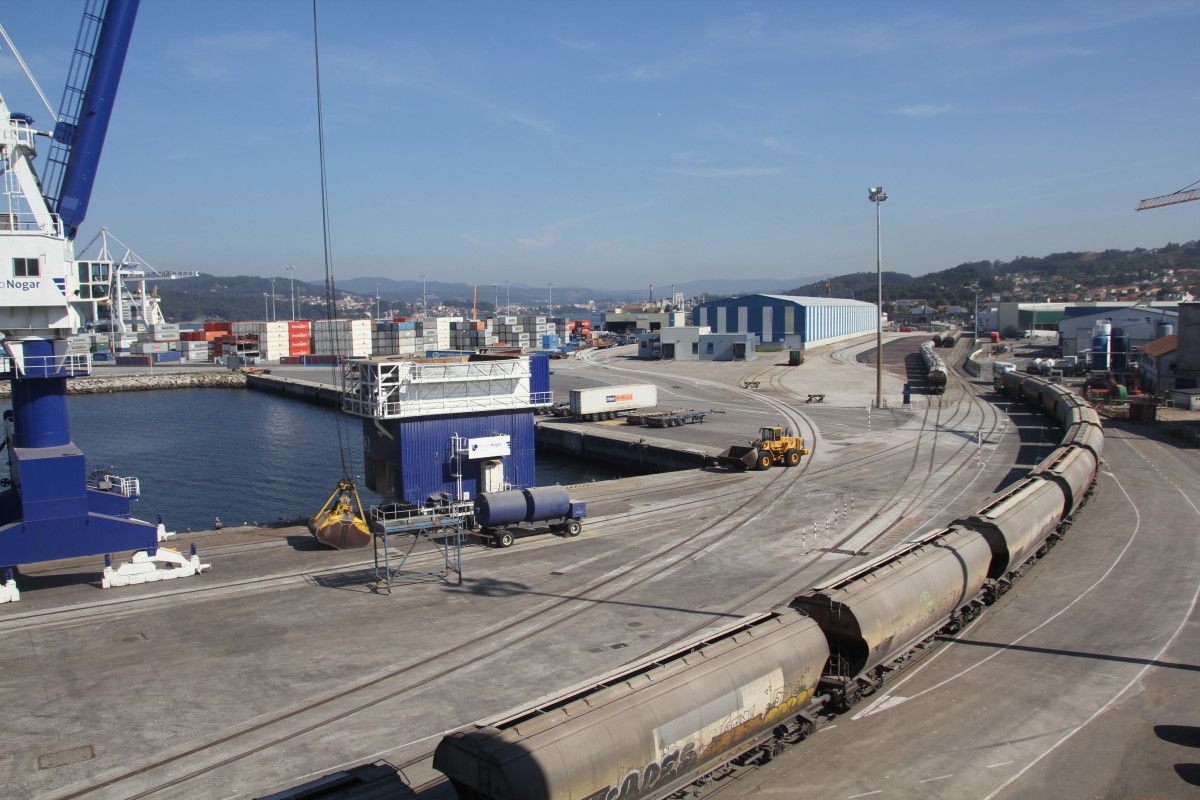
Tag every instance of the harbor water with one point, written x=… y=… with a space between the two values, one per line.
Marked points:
x=245 y=457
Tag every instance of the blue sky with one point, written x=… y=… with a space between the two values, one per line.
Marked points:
x=618 y=144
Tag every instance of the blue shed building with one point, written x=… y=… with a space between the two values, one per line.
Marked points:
x=791 y=320
x=440 y=428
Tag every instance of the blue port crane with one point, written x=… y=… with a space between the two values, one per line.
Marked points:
x=50 y=508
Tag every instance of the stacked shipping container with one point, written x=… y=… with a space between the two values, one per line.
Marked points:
x=523 y=331
x=470 y=335
x=349 y=338
x=392 y=338
x=299 y=338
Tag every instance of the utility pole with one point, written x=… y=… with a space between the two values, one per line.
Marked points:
x=273 y=317
x=496 y=305
x=377 y=301
x=292 y=288
x=877 y=195
x=266 y=308
x=975 y=288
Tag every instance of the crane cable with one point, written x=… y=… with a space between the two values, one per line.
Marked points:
x=330 y=292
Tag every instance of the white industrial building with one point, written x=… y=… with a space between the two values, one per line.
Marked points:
x=1138 y=324
x=697 y=343
x=791 y=320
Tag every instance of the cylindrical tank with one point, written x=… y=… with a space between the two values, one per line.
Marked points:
x=1102 y=328
x=546 y=502
x=500 y=508
x=40 y=412
x=1164 y=329
x=1119 y=347
x=1100 y=362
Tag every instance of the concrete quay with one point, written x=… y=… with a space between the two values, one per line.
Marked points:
x=146 y=380
x=288 y=661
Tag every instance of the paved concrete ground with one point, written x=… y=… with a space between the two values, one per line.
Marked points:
x=1080 y=683
x=287 y=662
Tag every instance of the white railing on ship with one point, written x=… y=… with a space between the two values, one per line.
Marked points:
x=130 y=487
x=68 y=362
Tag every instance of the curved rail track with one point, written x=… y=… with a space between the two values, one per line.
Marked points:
x=155 y=777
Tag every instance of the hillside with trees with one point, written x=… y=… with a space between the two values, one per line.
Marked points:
x=1161 y=273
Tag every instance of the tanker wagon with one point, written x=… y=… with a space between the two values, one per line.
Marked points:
x=606 y=402
x=498 y=513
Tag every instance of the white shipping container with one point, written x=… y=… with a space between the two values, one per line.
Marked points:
x=603 y=399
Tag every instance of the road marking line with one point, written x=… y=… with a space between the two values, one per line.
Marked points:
x=1178 y=630
x=829 y=727
x=864 y=794
x=938 y=778
x=1000 y=764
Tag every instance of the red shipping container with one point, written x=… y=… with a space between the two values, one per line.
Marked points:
x=299 y=349
x=227 y=327
x=192 y=336
x=299 y=326
x=399 y=319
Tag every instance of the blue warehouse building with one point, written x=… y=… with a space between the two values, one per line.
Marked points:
x=446 y=428
x=790 y=320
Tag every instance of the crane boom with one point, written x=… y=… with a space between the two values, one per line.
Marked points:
x=1169 y=199
x=87 y=107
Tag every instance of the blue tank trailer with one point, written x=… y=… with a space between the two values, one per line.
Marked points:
x=497 y=514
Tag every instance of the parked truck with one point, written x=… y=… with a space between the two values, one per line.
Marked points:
x=607 y=402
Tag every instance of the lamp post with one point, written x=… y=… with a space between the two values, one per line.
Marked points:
x=291 y=268
x=424 y=307
x=975 y=288
x=273 y=316
x=266 y=307
x=508 y=297
x=551 y=285
x=877 y=195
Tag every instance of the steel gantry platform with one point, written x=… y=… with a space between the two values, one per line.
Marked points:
x=443 y=526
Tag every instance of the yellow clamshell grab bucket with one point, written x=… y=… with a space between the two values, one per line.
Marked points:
x=340 y=523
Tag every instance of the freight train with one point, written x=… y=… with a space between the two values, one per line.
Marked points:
x=935 y=368
x=743 y=692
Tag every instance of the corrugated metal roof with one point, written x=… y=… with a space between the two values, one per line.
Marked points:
x=1161 y=346
x=800 y=300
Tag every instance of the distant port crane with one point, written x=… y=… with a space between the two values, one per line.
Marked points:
x=117 y=289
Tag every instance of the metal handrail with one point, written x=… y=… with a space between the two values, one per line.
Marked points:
x=72 y=363
x=382 y=514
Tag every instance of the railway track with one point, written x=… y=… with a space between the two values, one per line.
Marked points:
x=422 y=763
x=378 y=688
x=320 y=713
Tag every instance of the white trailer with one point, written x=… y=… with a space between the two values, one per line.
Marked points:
x=606 y=402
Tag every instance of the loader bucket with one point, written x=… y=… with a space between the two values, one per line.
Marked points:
x=739 y=456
